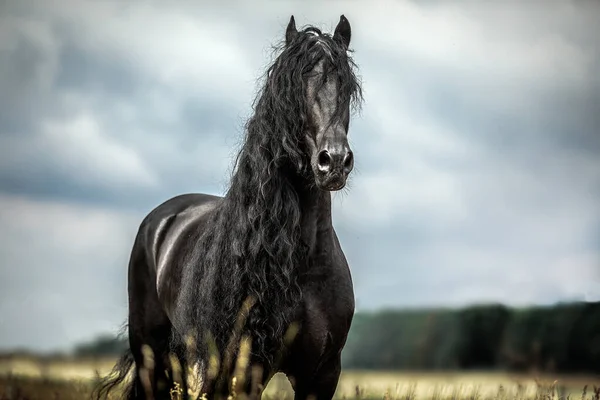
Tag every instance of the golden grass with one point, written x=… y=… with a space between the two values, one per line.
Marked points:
x=71 y=379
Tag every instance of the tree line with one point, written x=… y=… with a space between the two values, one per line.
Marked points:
x=560 y=338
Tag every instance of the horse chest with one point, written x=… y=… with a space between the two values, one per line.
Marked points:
x=324 y=328
x=326 y=311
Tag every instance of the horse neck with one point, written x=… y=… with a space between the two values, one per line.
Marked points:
x=316 y=219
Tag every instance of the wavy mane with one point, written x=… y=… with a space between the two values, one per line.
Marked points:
x=252 y=246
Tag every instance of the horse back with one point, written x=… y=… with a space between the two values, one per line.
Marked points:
x=168 y=234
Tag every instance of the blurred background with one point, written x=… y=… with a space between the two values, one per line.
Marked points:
x=472 y=221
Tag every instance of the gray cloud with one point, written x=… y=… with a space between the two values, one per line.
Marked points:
x=476 y=172
x=110 y=125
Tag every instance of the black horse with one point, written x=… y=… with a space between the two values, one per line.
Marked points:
x=226 y=291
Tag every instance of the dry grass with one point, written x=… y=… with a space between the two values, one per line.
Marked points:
x=71 y=379
x=29 y=378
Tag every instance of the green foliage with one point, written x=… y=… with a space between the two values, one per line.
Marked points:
x=413 y=339
x=104 y=345
x=562 y=338
x=481 y=335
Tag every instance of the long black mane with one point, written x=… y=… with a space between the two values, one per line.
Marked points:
x=252 y=246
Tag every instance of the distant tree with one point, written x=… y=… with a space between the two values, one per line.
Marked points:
x=583 y=344
x=104 y=345
x=481 y=333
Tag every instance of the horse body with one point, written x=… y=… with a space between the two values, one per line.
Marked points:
x=197 y=258
x=326 y=309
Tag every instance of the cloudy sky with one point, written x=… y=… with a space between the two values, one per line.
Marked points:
x=477 y=173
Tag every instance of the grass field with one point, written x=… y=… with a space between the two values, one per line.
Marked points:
x=29 y=378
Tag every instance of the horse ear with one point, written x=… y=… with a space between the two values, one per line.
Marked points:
x=343 y=31
x=291 y=32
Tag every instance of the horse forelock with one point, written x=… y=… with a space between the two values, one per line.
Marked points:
x=321 y=42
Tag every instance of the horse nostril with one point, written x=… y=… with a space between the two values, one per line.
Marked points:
x=324 y=160
x=348 y=160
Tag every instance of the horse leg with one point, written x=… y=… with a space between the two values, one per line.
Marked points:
x=153 y=373
x=149 y=333
x=322 y=384
x=255 y=378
